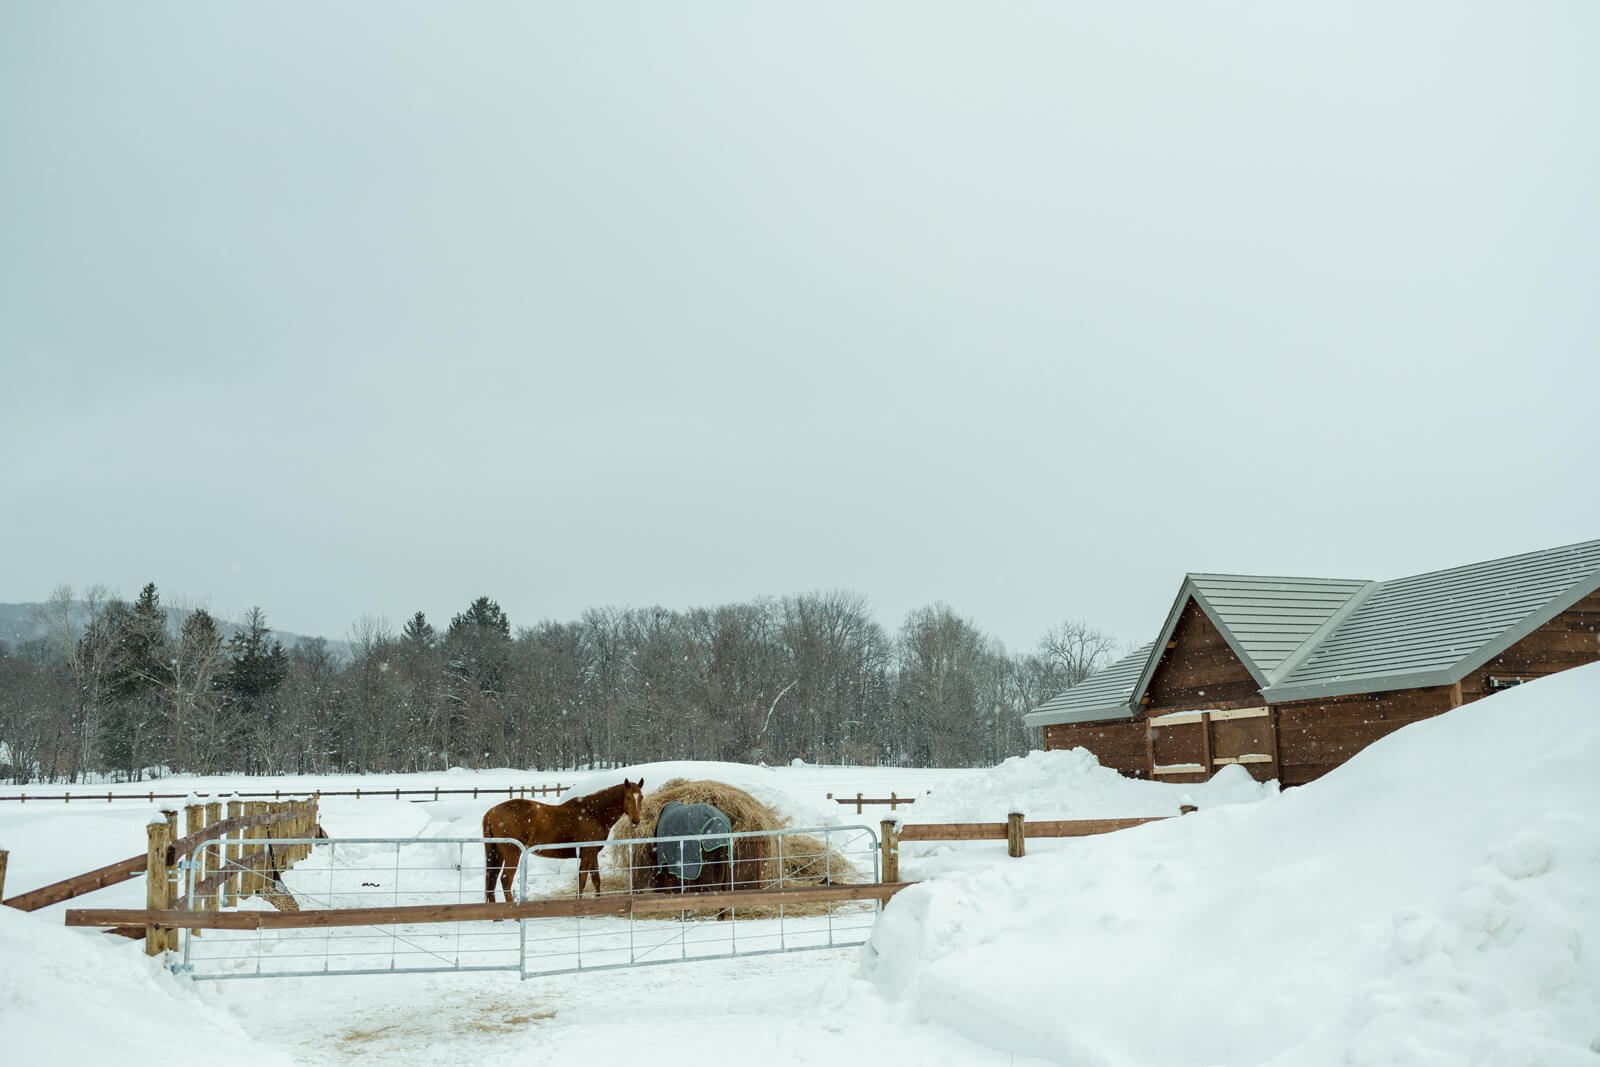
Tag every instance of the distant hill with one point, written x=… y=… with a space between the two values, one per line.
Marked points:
x=19 y=624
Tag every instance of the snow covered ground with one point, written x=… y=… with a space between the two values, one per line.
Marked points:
x=1435 y=901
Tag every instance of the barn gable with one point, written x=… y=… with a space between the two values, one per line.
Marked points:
x=1269 y=624
x=1197 y=667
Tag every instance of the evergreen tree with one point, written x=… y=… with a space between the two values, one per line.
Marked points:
x=477 y=650
x=194 y=716
x=425 y=710
x=139 y=674
x=257 y=667
x=418 y=633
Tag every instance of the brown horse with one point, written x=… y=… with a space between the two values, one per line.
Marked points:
x=585 y=818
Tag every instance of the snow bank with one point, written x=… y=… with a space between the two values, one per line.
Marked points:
x=1434 y=901
x=73 y=995
x=1072 y=785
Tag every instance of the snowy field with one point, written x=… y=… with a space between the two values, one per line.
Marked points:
x=1435 y=901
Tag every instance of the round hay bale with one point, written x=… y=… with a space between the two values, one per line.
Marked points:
x=753 y=866
x=759 y=862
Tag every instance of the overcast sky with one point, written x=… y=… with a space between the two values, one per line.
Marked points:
x=1029 y=308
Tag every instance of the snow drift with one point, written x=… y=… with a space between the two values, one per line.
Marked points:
x=1433 y=901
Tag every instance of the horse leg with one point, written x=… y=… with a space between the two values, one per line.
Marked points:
x=491 y=861
x=508 y=876
x=589 y=864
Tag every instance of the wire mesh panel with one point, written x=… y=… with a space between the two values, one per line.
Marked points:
x=342 y=874
x=675 y=918
x=655 y=906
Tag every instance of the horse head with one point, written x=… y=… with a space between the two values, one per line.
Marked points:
x=632 y=799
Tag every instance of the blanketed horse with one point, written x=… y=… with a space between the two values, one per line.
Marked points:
x=585 y=818
x=695 y=831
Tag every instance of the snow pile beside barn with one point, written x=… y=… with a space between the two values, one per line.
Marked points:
x=1434 y=901
x=1071 y=784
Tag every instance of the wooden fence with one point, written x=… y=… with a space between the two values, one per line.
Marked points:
x=1014 y=831
x=892 y=800
x=235 y=871
x=279 y=794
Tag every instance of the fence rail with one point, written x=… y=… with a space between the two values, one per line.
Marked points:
x=990 y=831
x=619 y=904
x=280 y=794
x=1014 y=831
x=858 y=800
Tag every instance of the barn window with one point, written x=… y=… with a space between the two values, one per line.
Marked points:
x=1497 y=683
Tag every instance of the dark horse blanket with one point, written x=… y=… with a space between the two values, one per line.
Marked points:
x=702 y=826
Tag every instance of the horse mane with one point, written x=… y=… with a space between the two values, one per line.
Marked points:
x=597 y=804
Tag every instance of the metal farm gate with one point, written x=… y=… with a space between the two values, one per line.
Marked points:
x=440 y=881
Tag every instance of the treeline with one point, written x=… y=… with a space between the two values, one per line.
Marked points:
x=133 y=689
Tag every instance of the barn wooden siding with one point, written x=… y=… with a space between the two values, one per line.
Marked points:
x=1119 y=744
x=1298 y=741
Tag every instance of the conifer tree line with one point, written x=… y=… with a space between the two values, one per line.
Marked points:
x=121 y=691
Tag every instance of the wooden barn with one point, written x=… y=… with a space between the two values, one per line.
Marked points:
x=1290 y=677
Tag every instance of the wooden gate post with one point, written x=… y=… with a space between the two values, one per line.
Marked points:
x=231 y=887
x=890 y=843
x=155 y=883
x=1015 y=835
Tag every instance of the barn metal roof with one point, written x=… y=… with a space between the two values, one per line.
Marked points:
x=1435 y=628
x=1102 y=695
x=1268 y=621
x=1304 y=638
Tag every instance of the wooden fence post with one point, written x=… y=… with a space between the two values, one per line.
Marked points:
x=172 y=869
x=155 y=883
x=3 y=855
x=194 y=816
x=308 y=824
x=1015 y=835
x=209 y=856
x=890 y=843
x=249 y=881
x=858 y=803
x=235 y=837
